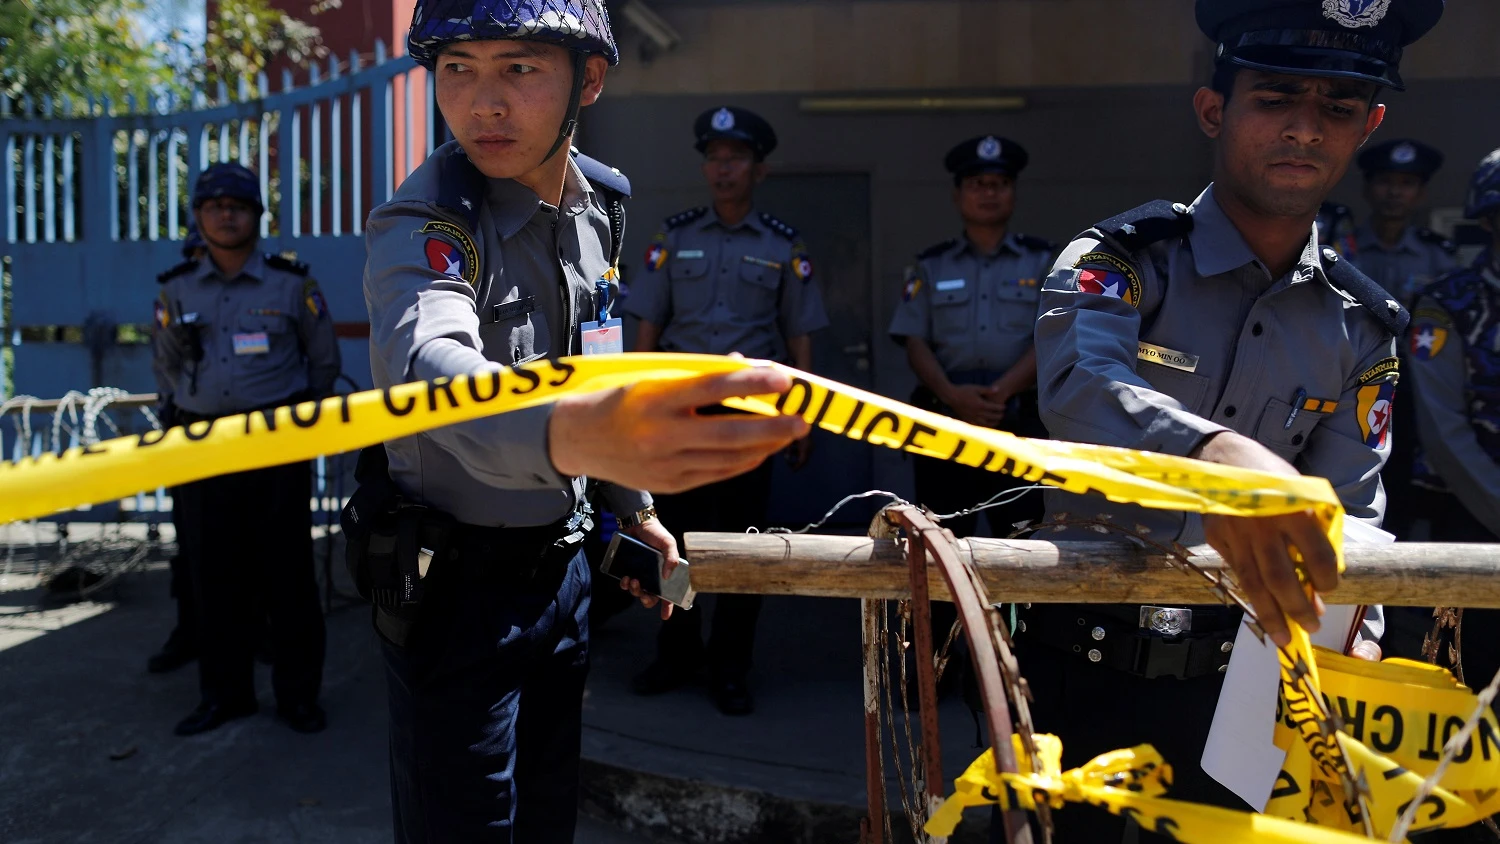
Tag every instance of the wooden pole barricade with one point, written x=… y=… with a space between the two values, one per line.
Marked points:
x=1017 y=570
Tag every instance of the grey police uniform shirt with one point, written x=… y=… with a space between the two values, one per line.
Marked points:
x=447 y=301
x=976 y=311
x=1444 y=423
x=266 y=334
x=1416 y=260
x=1211 y=342
x=715 y=289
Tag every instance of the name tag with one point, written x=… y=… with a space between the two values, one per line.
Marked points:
x=950 y=284
x=604 y=339
x=511 y=310
x=690 y=253
x=762 y=262
x=255 y=343
x=1167 y=357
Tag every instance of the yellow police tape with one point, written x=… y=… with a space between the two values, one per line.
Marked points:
x=121 y=467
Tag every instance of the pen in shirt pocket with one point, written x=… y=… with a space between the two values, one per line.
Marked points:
x=1297 y=402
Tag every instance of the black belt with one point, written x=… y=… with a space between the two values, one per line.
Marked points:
x=188 y=417
x=1150 y=642
x=513 y=554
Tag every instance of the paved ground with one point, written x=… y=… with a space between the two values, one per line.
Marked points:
x=87 y=754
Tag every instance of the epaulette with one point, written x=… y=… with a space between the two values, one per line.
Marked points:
x=182 y=268
x=1036 y=244
x=1150 y=223
x=286 y=265
x=677 y=221
x=601 y=175
x=937 y=249
x=1432 y=237
x=460 y=186
x=777 y=226
x=1381 y=305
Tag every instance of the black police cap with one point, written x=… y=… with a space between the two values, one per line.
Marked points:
x=1350 y=39
x=1401 y=156
x=735 y=124
x=986 y=154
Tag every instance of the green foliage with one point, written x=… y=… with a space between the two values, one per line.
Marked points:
x=78 y=48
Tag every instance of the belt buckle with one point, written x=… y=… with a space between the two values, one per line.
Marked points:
x=1166 y=621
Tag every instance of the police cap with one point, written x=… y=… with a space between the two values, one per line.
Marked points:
x=734 y=124
x=228 y=179
x=1401 y=156
x=1350 y=39
x=985 y=154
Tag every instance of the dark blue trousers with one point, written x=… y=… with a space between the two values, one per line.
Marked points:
x=486 y=701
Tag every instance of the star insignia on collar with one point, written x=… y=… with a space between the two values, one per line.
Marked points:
x=1127 y=229
x=467 y=204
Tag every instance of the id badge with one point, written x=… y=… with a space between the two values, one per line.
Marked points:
x=256 y=343
x=607 y=338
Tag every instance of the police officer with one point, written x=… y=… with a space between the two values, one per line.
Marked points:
x=1455 y=363
x=966 y=318
x=492 y=253
x=722 y=279
x=1398 y=255
x=1222 y=330
x=1403 y=258
x=239 y=331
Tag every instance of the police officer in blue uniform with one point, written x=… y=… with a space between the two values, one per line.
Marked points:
x=1390 y=248
x=238 y=331
x=1454 y=358
x=720 y=280
x=492 y=253
x=966 y=318
x=1222 y=330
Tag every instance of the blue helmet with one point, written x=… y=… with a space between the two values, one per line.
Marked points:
x=1484 y=188
x=581 y=25
x=228 y=179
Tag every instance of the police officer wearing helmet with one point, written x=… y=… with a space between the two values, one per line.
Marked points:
x=723 y=279
x=966 y=318
x=491 y=253
x=1389 y=248
x=238 y=331
x=1223 y=330
x=1455 y=371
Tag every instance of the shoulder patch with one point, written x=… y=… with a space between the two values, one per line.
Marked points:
x=286 y=265
x=1104 y=274
x=802 y=266
x=601 y=175
x=1432 y=237
x=677 y=221
x=181 y=269
x=450 y=250
x=1388 y=369
x=313 y=298
x=1036 y=244
x=779 y=227
x=937 y=249
x=1381 y=305
x=1150 y=223
x=1429 y=333
x=460 y=186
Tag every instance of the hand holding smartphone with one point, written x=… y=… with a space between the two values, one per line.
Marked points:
x=628 y=557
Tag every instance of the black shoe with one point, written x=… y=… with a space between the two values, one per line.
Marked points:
x=303 y=717
x=732 y=697
x=172 y=656
x=211 y=716
x=660 y=677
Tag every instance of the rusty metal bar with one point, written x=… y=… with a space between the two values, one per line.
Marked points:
x=971 y=612
x=921 y=613
x=872 y=617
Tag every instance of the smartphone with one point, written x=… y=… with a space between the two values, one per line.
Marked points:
x=632 y=558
